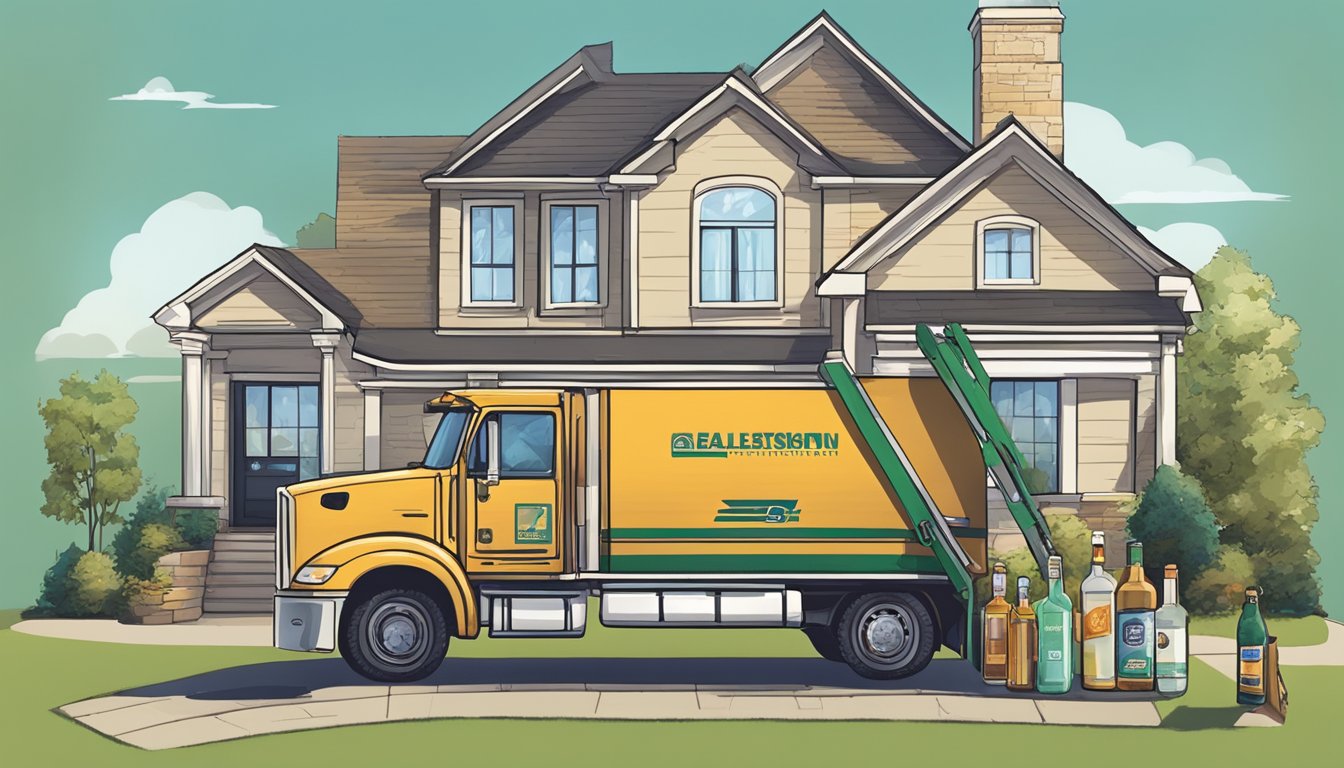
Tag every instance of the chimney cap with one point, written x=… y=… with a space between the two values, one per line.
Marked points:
x=1019 y=3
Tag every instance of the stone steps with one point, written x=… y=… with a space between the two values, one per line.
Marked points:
x=241 y=576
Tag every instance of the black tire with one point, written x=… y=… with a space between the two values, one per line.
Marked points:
x=394 y=636
x=823 y=639
x=885 y=636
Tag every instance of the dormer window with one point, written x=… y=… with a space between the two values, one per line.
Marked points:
x=490 y=253
x=737 y=239
x=1008 y=252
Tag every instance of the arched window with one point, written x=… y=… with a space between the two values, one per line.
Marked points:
x=737 y=245
x=1008 y=252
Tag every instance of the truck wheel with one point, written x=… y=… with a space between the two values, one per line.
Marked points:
x=823 y=639
x=394 y=636
x=886 y=636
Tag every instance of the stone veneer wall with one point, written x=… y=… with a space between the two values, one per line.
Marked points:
x=180 y=602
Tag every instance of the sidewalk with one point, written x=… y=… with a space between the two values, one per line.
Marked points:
x=232 y=630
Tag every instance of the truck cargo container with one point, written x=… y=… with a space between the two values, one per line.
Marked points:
x=852 y=509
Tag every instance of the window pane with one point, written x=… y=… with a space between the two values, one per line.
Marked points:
x=257 y=406
x=1023 y=398
x=1047 y=398
x=502 y=249
x=562 y=234
x=284 y=406
x=585 y=284
x=481 y=289
x=1045 y=430
x=715 y=264
x=308 y=406
x=737 y=204
x=503 y=283
x=996 y=266
x=308 y=468
x=285 y=442
x=526 y=443
x=256 y=441
x=1024 y=428
x=1020 y=268
x=480 y=235
x=1021 y=240
x=996 y=241
x=307 y=442
x=1002 y=394
x=562 y=287
x=585 y=223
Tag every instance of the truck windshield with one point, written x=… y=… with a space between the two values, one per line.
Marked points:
x=443 y=448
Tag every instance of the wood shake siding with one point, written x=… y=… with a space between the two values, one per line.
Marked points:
x=859 y=121
x=1074 y=255
x=735 y=145
x=1106 y=435
x=264 y=302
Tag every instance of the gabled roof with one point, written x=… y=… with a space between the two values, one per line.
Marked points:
x=1010 y=142
x=822 y=30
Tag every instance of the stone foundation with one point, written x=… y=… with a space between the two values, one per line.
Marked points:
x=183 y=599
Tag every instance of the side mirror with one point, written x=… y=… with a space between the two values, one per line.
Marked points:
x=492 y=452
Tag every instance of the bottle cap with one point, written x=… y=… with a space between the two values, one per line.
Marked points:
x=1098 y=538
x=1055 y=567
x=1170 y=571
x=1000 y=568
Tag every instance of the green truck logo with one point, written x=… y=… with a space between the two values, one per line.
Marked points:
x=532 y=524
x=721 y=445
x=759 y=511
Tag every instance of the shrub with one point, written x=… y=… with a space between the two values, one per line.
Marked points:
x=1174 y=522
x=80 y=584
x=1073 y=542
x=154 y=530
x=1222 y=586
x=155 y=541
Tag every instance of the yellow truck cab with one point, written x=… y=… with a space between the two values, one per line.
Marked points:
x=853 y=510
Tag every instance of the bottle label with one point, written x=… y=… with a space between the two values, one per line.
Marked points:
x=1134 y=645
x=996 y=637
x=1172 y=661
x=1054 y=667
x=1250 y=672
x=1097 y=622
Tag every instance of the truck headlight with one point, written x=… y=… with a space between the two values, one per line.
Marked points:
x=315 y=574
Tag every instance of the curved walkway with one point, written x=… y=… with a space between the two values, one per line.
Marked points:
x=232 y=630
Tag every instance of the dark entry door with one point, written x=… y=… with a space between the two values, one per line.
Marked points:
x=275 y=443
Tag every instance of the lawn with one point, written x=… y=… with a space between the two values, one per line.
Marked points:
x=40 y=674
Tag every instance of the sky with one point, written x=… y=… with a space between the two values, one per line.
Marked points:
x=144 y=143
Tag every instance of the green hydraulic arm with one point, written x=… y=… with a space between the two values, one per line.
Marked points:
x=957 y=364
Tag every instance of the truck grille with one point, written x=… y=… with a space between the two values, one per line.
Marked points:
x=284 y=538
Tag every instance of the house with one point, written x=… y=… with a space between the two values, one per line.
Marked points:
x=732 y=227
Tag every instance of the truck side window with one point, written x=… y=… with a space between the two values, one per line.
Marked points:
x=526 y=446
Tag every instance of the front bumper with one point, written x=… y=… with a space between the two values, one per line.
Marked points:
x=308 y=621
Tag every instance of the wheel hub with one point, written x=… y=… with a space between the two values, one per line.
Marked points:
x=398 y=632
x=885 y=633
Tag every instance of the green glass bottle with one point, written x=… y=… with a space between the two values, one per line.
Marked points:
x=1252 y=637
x=1054 y=633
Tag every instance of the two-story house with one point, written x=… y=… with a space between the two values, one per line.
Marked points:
x=663 y=229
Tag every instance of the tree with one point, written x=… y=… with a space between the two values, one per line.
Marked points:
x=1175 y=525
x=318 y=233
x=93 y=460
x=1244 y=429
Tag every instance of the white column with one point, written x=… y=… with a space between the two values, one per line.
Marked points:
x=207 y=407
x=1166 y=403
x=1068 y=436
x=192 y=347
x=850 y=329
x=373 y=429
x=632 y=255
x=326 y=342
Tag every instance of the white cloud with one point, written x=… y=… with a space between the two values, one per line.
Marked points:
x=159 y=89
x=179 y=243
x=1188 y=242
x=1096 y=149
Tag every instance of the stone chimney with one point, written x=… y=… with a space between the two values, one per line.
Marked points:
x=1018 y=69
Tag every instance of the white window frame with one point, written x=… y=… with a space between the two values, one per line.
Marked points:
x=984 y=226
x=768 y=187
x=603 y=235
x=467 y=206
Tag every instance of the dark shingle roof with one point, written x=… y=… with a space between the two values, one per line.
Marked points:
x=1023 y=307
x=590 y=129
x=315 y=284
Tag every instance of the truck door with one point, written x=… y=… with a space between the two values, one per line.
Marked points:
x=514 y=514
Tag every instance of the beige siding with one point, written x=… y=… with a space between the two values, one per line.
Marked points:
x=265 y=302
x=403 y=427
x=837 y=234
x=530 y=267
x=1106 y=435
x=735 y=145
x=1145 y=439
x=349 y=442
x=1074 y=255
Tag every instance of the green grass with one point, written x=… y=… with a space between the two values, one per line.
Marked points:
x=40 y=674
x=1291 y=631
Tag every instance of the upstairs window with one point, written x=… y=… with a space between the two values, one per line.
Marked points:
x=1009 y=251
x=574 y=269
x=492 y=257
x=737 y=239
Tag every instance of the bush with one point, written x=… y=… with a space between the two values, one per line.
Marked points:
x=80 y=584
x=1222 y=586
x=154 y=530
x=155 y=541
x=1174 y=522
x=1073 y=542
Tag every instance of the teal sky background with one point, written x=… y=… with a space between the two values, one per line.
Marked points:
x=1258 y=88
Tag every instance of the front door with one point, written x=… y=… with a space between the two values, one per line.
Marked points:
x=514 y=525
x=275 y=443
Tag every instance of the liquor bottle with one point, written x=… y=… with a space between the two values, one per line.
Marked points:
x=1054 y=634
x=1135 y=604
x=1252 y=637
x=1173 y=631
x=1022 y=641
x=994 y=622
x=1097 y=595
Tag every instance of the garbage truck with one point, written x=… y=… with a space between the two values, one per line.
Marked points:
x=853 y=509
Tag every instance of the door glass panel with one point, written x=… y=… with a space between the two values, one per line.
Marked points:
x=257 y=407
x=284 y=406
x=526 y=446
x=307 y=442
x=308 y=406
x=308 y=468
x=285 y=441
x=256 y=441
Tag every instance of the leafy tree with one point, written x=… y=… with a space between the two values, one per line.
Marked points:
x=1175 y=525
x=318 y=233
x=1244 y=429
x=93 y=460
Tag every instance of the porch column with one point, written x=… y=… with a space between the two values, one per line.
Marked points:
x=373 y=429
x=326 y=342
x=1166 y=403
x=193 y=347
x=851 y=327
